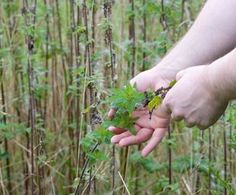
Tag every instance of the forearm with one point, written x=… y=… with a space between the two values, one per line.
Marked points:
x=222 y=76
x=212 y=35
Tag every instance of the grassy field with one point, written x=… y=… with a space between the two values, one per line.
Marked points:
x=58 y=61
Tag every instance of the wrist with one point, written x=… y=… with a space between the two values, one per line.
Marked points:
x=169 y=67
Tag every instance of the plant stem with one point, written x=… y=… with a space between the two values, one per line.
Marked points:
x=132 y=38
x=210 y=159
x=77 y=191
x=4 y=120
x=225 y=157
x=144 y=35
x=169 y=158
x=61 y=43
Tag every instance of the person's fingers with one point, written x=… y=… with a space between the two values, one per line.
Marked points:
x=153 y=123
x=190 y=125
x=138 y=84
x=164 y=109
x=111 y=113
x=180 y=74
x=116 y=138
x=176 y=117
x=154 y=141
x=132 y=82
x=143 y=135
x=116 y=130
x=140 y=112
x=189 y=122
x=137 y=127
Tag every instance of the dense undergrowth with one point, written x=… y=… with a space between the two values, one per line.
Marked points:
x=59 y=62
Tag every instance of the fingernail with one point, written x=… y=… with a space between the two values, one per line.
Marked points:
x=111 y=128
x=113 y=140
x=110 y=113
x=143 y=154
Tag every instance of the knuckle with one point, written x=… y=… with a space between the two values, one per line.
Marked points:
x=200 y=126
x=189 y=125
x=177 y=115
x=203 y=125
x=167 y=102
x=190 y=122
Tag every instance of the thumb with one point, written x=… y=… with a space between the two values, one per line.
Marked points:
x=180 y=74
x=137 y=84
x=132 y=82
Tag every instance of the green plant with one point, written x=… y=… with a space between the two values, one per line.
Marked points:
x=127 y=99
x=124 y=100
x=79 y=50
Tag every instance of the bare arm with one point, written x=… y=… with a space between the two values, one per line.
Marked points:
x=212 y=35
x=222 y=76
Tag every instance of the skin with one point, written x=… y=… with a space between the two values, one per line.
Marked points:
x=194 y=100
x=201 y=93
x=147 y=130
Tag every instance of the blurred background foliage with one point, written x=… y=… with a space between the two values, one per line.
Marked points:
x=58 y=60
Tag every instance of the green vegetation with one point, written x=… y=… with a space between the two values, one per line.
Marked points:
x=63 y=64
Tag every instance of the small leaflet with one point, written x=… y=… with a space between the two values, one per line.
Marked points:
x=172 y=83
x=156 y=101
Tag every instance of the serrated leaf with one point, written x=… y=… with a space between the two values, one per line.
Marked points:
x=125 y=99
x=97 y=156
x=156 y=101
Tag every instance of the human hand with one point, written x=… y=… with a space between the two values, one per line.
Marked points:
x=152 y=129
x=194 y=99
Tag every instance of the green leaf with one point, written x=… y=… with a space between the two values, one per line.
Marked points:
x=156 y=101
x=97 y=156
x=124 y=100
x=147 y=163
x=172 y=83
x=4 y=155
